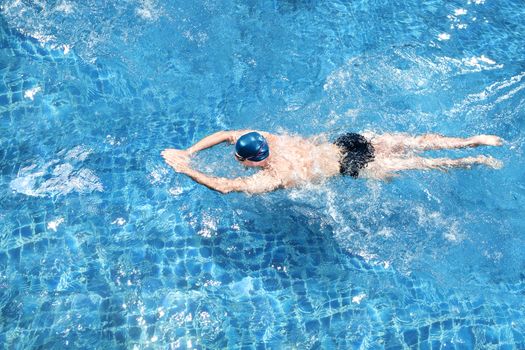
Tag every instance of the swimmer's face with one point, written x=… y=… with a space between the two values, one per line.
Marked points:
x=250 y=163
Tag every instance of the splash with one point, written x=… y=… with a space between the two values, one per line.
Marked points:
x=498 y=91
x=58 y=178
x=65 y=7
x=159 y=174
x=148 y=10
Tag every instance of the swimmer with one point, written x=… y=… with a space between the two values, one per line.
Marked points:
x=288 y=161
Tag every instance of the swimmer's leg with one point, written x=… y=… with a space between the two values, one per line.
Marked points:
x=400 y=143
x=414 y=163
x=435 y=141
x=446 y=163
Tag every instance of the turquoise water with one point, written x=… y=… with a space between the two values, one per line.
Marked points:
x=103 y=246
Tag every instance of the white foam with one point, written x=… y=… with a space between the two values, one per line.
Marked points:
x=493 y=255
x=386 y=232
x=358 y=298
x=454 y=234
x=476 y=61
x=77 y=153
x=460 y=12
x=510 y=93
x=67 y=181
x=478 y=101
x=443 y=36
x=148 y=10
x=470 y=64
x=64 y=7
x=40 y=37
x=25 y=184
x=30 y=94
x=53 y=225
x=212 y=283
x=487 y=60
x=112 y=140
x=176 y=191
x=339 y=76
x=158 y=174
x=367 y=256
x=198 y=37
x=209 y=224
x=119 y=221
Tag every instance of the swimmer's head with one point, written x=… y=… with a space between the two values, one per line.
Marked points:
x=251 y=148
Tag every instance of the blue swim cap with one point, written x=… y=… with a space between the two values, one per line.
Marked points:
x=252 y=146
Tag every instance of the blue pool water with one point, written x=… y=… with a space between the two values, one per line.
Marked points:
x=103 y=246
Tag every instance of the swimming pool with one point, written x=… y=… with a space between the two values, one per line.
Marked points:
x=102 y=246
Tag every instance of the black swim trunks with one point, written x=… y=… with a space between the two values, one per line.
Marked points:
x=357 y=152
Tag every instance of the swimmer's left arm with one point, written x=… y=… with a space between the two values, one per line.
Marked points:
x=253 y=184
x=218 y=184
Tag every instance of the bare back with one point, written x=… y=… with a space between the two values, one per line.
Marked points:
x=296 y=160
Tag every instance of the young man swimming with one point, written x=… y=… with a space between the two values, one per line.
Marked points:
x=288 y=161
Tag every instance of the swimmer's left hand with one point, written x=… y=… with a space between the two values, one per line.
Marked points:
x=178 y=159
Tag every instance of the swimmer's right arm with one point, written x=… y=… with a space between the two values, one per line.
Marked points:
x=230 y=136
